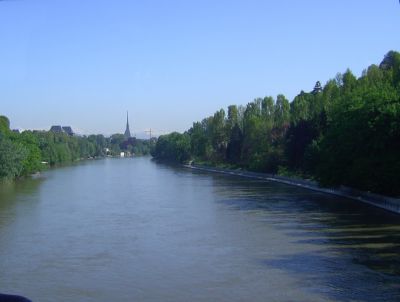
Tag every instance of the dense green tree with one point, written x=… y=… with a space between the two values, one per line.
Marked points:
x=219 y=139
x=233 y=117
x=345 y=133
x=234 y=148
x=252 y=133
x=282 y=111
x=32 y=162
x=235 y=136
x=299 y=138
x=173 y=147
x=267 y=109
x=99 y=142
x=12 y=157
x=30 y=151
x=258 y=143
x=4 y=124
x=300 y=108
x=115 y=143
x=200 y=144
x=361 y=145
x=391 y=64
x=330 y=95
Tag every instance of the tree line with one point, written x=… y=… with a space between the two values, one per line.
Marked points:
x=346 y=132
x=28 y=152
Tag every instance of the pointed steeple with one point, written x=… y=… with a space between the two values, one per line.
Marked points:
x=127 y=133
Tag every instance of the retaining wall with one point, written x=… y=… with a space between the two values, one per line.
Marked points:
x=384 y=202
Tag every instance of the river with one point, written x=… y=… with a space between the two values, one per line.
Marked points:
x=136 y=230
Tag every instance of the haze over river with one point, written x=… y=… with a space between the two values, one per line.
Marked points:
x=136 y=230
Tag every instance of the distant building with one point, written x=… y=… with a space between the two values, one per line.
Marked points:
x=56 y=129
x=63 y=129
x=317 y=88
x=127 y=133
x=68 y=130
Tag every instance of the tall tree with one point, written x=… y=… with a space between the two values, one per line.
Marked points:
x=282 y=111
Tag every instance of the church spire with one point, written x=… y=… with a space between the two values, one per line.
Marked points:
x=127 y=133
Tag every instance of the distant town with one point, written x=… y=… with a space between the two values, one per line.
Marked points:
x=143 y=134
x=27 y=152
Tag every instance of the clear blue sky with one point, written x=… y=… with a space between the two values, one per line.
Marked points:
x=84 y=63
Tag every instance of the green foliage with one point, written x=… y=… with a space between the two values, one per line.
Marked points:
x=12 y=157
x=99 y=143
x=25 y=153
x=300 y=108
x=4 y=124
x=234 y=148
x=347 y=133
x=60 y=148
x=200 y=144
x=28 y=152
x=256 y=139
x=32 y=161
x=362 y=141
x=217 y=131
x=116 y=141
x=282 y=111
x=361 y=148
x=300 y=135
x=173 y=147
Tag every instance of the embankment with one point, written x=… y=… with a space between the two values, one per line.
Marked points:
x=383 y=202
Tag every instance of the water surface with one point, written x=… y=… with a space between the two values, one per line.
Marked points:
x=134 y=230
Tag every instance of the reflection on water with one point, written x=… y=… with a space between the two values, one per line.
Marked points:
x=14 y=195
x=134 y=230
x=342 y=230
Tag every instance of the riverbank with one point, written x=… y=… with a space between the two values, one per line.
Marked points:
x=380 y=201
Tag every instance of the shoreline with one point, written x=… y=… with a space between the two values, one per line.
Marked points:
x=384 y=202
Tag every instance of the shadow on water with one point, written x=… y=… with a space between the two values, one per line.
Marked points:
x=331 y=276
x=13 y=193
x=26 y=186
x=356 y=247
